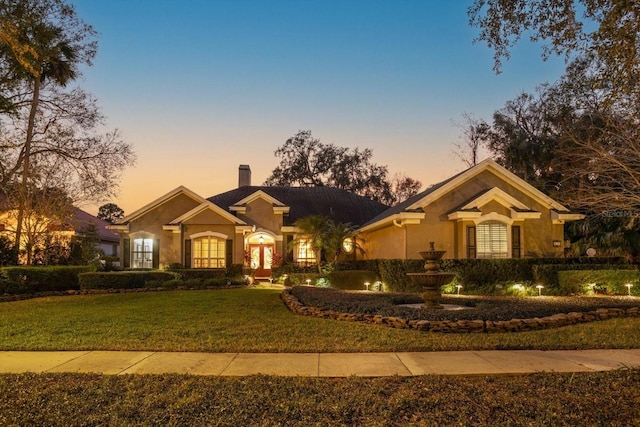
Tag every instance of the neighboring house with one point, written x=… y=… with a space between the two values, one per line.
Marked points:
x=483 y=212
x=109 y=241
x=41 y=232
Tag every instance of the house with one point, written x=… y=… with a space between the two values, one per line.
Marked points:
x=42 y=233
x=483 y=212
x=250 y=224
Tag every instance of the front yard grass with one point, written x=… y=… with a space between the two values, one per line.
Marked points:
x=256 y=320
x=252 y=320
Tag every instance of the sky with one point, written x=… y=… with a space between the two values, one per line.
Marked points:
x=198 y=87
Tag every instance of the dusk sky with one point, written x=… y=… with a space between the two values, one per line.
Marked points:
x=199 y=87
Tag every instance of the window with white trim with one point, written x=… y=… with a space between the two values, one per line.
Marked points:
x=142 y=254
x=209 y=252
x=491 y=240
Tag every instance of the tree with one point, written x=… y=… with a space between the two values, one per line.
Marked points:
x=313 y=230
x=605 y=33
x=524 y=137
x=52 y=136
x=326 y=238
x=110 y=212
x=307 y=162
x=474 y=139
x=403 y=187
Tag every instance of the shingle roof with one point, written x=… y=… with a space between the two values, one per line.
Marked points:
x=402 y=207
x=340 y=205
x=81 y=219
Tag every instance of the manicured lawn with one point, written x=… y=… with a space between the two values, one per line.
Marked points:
x=251 y=320
x=583 y=399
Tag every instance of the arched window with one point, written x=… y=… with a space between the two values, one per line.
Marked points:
x=492 y=240
x=209 y=252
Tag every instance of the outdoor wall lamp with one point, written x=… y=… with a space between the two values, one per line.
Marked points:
x=557 y=243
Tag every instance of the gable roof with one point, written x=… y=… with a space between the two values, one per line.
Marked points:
x=207 y=205
x=340 y=205
x=433 y=193
x=160 y=200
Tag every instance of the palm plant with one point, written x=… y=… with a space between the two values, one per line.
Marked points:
x=313 y=230
x=341 y=239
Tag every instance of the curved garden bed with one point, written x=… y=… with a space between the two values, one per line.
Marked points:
x=489 y=314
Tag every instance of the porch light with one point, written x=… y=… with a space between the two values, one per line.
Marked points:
x=539 y=289
x=261 y=239
x=557 y=243
x=629 y=285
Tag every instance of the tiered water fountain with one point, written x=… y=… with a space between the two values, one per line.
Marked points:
x=432 y=279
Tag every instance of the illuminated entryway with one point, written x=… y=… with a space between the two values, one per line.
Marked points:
x=261 y=247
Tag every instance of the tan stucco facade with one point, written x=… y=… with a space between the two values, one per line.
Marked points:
x=449 y=217
x=485 y=197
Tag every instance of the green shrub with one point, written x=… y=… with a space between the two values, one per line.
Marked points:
x=201 y=273
x=302 y=279
x=235 y=271
x=123 y=279
x=42 y=279
x=548 y=274
x=598 y=281
x=353 y=279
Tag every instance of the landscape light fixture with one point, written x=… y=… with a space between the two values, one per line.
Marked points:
x=366 y=285
x=539 y=289
x=459 y=287
x=308 y=282
x=629 y=285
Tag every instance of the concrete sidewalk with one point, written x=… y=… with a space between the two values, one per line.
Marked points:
x=319 y=364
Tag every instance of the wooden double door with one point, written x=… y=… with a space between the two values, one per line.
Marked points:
x=261 y=259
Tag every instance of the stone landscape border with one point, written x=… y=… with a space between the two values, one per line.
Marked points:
x=462 y=326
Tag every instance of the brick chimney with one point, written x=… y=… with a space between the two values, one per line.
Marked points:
x=244 y=176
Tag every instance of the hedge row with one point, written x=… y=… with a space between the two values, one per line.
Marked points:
x=600 y=281
x=483 y=275
x=30 y=280
x=24 y=280
x=123 y=279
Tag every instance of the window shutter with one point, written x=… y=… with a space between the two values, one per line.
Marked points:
x=471 y=242
x=156 y=253
x=229 y=253
x=515 y=242
x=187 y=253
x=126 y=253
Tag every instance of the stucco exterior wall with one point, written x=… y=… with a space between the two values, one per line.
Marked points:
x=386 y=243
x=260 y=212
x=537 y=235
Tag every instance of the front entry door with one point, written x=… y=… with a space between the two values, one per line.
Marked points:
x=261 y=259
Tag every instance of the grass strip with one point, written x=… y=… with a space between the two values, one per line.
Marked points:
x=602 y=398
